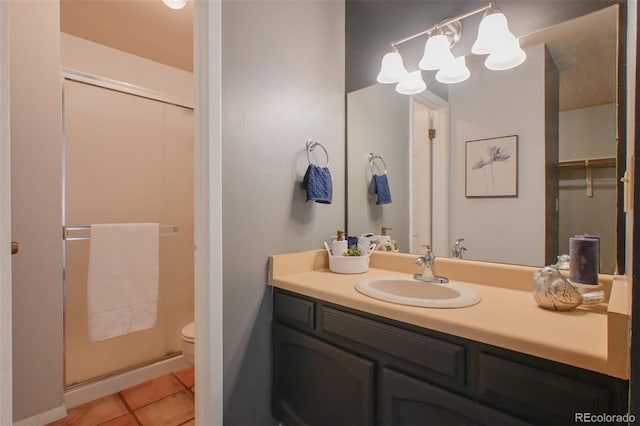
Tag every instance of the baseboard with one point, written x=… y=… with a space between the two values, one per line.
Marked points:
x=44 y=418
x=92 y=391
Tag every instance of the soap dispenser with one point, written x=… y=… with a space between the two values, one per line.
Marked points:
x=339 y=246
x=383 y=239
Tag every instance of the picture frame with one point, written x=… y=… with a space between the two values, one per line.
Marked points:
x=491 y=167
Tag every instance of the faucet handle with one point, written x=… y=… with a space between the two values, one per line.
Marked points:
x=429 y=256
x=458 y=250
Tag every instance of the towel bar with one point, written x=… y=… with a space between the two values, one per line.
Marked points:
x=311 y=145
x=81 y=232
x=372 y=158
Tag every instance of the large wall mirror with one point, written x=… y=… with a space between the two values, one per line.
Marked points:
x=561 y=111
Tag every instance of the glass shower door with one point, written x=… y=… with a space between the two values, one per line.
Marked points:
x=127 y=159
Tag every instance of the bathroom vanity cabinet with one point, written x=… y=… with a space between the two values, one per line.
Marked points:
x=337 y=366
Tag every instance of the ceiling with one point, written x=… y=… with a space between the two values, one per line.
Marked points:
x=145 y=28
x=584 y=50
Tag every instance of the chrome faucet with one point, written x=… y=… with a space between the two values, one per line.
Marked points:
x=457 y=250
x=427 y=273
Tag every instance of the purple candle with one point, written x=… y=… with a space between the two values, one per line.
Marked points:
x=584 y=252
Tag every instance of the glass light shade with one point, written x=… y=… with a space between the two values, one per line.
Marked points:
x=436 y=53
x=392 y=68
x=411 y=84
x=493 y=30
x=175 y=4
x=508 y=55
x=454 y=71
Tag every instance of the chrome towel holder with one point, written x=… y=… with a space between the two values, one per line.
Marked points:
x=372 y=158
x=311 y=146
x=83 y=232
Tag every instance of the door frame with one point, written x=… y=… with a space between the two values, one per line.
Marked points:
x=6 y=400
x=208 y=220
x=440 y=241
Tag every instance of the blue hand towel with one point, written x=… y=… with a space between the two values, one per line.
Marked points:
x=380 y=185
x=317 y=182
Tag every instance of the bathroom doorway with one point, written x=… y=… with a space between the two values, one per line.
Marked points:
x=209 y=405
x=128 y=136
x=421 y=164
x=429 y=174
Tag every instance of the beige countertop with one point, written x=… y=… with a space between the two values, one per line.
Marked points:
x=594 y=338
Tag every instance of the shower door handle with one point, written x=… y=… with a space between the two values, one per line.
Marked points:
x=15 y=247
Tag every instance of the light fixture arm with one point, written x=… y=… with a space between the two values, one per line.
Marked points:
x=443 y=24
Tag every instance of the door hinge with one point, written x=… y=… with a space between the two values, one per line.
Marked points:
x=432 y=134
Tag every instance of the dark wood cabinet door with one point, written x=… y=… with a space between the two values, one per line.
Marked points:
x=317 y=384
x=542 y=396
x=406 y=401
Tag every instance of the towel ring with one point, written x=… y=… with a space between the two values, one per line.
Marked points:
x=372 y=158
x=311 y=146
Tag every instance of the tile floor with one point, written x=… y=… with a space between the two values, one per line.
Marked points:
x=164 y=401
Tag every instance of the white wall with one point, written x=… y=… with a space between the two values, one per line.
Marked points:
x=283 y=83
x=492 y=104
x=36 y=159
x=379 y=122
x=588 y=132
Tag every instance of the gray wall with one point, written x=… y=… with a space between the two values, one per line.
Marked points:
x=36 y=159
x=283 y=83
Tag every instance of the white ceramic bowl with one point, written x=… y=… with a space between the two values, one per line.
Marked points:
x=349 y=264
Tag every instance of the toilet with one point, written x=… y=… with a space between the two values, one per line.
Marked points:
x=187 y=341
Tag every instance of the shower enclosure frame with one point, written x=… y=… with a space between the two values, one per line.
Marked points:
x=70 y=232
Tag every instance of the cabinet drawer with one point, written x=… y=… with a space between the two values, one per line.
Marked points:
x=294 y=311
x=444 y=359
x=540 y=395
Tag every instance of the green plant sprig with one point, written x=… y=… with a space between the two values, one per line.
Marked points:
x=353 y=251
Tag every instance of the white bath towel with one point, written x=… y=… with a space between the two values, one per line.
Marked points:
x=123 y=278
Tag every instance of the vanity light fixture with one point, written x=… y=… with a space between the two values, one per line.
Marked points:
x=494 y=39
x=392 y=69
x=411 y=83
x=454 y=71
x=437 y=52
x=175 y=4
x=505 y=56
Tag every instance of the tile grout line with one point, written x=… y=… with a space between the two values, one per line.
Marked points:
x=162 y=399
x=129 y=409
x=173 y=373
x=188 y=389
x=154 y=401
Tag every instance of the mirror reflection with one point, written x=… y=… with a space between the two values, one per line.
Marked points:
x=561 y=105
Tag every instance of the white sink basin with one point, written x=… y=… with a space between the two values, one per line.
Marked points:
x=409 y=291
